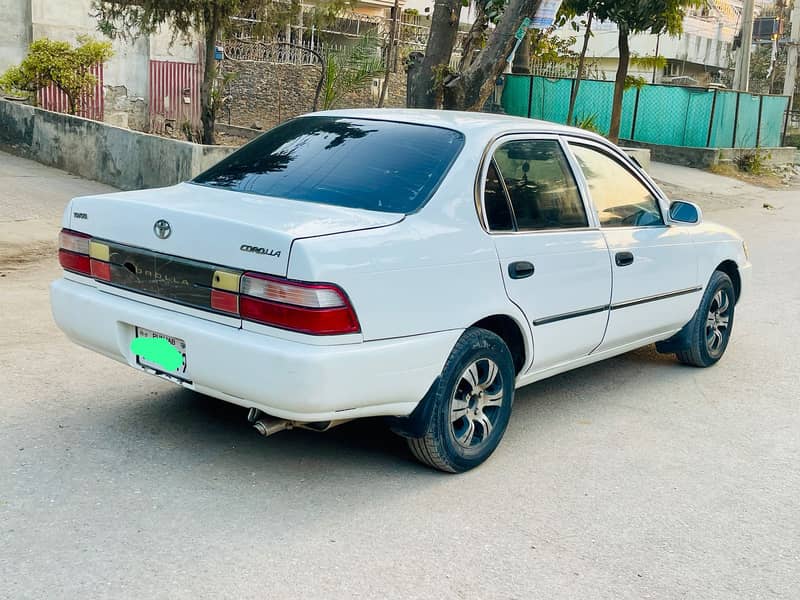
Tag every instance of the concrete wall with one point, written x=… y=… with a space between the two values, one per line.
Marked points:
x=15 y=32
x=703 y=158
x=119 y=157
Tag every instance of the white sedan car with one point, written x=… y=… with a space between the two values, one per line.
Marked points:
x=419 y=265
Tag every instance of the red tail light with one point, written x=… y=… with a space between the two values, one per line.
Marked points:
x=73 y=252
x=314 y=308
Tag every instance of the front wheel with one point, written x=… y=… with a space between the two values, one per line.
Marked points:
x=471 y=404
x=710 y=330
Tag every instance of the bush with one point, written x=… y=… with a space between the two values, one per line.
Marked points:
x=50 y=62
x=752 y=161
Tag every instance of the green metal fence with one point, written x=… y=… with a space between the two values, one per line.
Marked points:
x=656 y=114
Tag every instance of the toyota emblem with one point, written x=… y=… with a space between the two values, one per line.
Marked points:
x=162 y=229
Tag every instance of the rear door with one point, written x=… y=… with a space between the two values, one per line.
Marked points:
x=654 y=265
x=554 y=260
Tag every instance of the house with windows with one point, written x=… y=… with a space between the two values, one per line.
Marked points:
x=703 y=54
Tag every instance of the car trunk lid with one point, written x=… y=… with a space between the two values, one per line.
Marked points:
x=190 y=244
x=216 y=226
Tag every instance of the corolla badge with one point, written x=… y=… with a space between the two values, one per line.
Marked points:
x=162 y=229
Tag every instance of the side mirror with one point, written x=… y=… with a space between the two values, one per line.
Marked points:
x=681 y=211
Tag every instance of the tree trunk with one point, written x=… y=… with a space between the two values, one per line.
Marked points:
x=207 y=116
x=619 y=84
x=474 y=39
x=425 y=81
x=390 y=50
x=470 y=89
x=581 y=63
x=522 y=59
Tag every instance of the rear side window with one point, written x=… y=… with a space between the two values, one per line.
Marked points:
x=540 y=186
x=357 y=163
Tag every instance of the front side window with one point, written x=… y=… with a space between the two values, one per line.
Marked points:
x=540 y=185
x=621 y=200
x=357 y=163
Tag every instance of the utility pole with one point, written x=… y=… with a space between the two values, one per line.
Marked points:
x=791 y=62
x=741 y=79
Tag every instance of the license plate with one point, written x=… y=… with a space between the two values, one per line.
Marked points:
x=155 y=358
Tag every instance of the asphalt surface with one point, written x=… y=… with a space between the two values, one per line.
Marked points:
x=632 y=478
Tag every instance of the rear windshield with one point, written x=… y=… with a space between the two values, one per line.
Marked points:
x=358 y=163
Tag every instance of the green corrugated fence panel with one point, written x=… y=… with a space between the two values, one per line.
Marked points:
x=724 y=119
x=666 y=115
x=746 y=121
x=626 y=118
x=555 y=99
x=698 y=113
x=662 y=115
x=772 y=115
x=515 y=95
x=537 y=109
x=594 y=99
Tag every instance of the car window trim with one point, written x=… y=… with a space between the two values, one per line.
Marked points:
x=480 y=184
x=507 y=196
x=622 y=160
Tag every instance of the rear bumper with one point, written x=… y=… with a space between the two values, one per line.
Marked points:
x=287 y=379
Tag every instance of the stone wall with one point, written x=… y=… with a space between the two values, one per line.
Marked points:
x=123 y=110
x=264 y=94
x=120 y=157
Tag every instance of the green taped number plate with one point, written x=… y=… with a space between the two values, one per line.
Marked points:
x=159 y=351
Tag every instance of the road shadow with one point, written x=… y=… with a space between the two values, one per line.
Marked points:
x=206 y=429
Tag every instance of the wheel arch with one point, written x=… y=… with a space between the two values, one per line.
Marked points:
x=731 y=269
x=512 y=333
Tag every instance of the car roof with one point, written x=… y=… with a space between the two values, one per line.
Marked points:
x=469 y=123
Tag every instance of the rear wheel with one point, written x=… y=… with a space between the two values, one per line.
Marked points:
x=471 y=404
x=710 y=330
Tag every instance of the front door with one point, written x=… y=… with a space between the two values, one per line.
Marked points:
x=654 y=265
x=554 y=260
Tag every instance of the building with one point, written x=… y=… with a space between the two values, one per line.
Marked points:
x=702 y=54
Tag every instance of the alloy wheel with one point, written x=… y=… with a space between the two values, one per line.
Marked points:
x=475 y=405
x=718 y=322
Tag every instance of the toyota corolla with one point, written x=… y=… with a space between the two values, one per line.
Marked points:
x=418 y=265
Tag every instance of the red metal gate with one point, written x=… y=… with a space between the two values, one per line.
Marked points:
x=174 y=94
x=90 y=106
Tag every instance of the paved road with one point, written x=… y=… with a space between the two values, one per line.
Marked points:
x=634 y=478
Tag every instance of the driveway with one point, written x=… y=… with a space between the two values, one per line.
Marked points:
x=632 y=478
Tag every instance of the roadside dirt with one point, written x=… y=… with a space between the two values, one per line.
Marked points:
x=18 y=256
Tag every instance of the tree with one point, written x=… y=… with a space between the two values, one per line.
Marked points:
x=638 y=16
x=131 y=18
x=767 y=75
x=59 y=63
x=571 y=9
x=350 y=69
x=433 y=84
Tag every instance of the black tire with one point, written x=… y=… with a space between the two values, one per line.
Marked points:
x=708 y=337
x=458 y=445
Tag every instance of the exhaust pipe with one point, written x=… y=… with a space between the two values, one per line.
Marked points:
x=271 y=425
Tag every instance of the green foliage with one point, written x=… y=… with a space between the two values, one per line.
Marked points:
x=753 y=162
x=549 y=47
x=633 y=81
x=59 y=63
x=649 y=62
x=132 y=18
x=350 y=70
x=762 y=80
x=589 y=123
